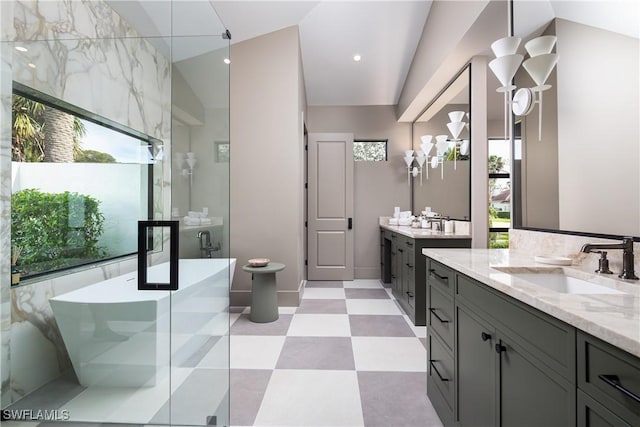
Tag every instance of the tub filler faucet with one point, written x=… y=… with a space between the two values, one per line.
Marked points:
x=205 y=244
x=627 y=255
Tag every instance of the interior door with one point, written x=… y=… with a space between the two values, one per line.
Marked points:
x=330 y=210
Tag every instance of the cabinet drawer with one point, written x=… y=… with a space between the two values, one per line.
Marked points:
x=611 y=376
x=546 y=338
x=441 y=276
x=441 y=315
x=593 y=414
x=440 y=369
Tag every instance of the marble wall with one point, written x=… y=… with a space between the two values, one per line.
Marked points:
x=566 y=245
x=84 y=53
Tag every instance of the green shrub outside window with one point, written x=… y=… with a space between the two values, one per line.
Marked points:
x=55 y=231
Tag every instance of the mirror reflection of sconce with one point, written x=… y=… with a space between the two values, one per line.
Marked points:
x=539 y=66
x=443 y=145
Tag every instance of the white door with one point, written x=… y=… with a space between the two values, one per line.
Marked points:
x=330 y=210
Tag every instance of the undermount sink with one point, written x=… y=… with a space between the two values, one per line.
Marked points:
x=558 y=281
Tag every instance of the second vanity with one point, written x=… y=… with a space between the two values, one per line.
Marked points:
x=402 y=263
x=505 y=350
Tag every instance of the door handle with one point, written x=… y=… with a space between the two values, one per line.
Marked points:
x=350 y=223
x=144 y=243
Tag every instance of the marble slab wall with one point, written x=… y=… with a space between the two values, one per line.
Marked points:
x=566 y=245
x=83 y=53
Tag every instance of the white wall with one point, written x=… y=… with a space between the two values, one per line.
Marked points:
x=266 y=161
x=379 y=186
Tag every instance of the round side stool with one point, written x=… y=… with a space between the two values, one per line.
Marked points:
x=264 y=292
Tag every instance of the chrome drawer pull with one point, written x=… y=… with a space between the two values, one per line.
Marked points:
x=437 y=372
x=433 y=311
x=614 y=382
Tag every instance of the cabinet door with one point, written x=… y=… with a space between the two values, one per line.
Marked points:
x=476 y=370
x=531 y=394
x=408 y=286
x=395 y=256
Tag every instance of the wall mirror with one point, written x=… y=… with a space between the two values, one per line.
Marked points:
x=443 y=181
x=580 y=174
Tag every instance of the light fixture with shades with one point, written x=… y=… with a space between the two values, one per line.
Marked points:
x=539 y=66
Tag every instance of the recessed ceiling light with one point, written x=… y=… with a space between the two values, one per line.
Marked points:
x=357 y=57
x=21 y=49
x=32 y=65
x=227 y=61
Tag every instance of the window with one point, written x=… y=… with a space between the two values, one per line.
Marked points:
x=222 y=152
x=499 y=193
x=370 y=150
x=79 y=185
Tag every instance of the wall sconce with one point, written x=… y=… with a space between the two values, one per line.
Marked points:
x=414 y=171
x=539 y=66
x=186 y=162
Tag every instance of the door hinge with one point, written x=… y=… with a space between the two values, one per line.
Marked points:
x=306 y=262
x=306 y=147
x=306 y=185
x=306 y=224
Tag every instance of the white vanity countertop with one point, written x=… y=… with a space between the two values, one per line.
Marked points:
x=614 y=318
x=423 y=233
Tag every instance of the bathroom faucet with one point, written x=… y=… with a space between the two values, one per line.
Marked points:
x=627 y=255
x=205 y=244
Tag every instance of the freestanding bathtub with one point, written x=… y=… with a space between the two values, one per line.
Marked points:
x=118 y=336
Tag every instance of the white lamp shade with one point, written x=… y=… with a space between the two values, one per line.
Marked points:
x=505 y=46
x=540 y=45
x=191 y=162
x=426 y=139
x=426 y=148
x=540 y=67
x=408 y=160
x=408 y=153
x=442 y=147
x=441 y=138
x=505 y=67
x=434 y=162
x=455 y=128
x=456 y=116
x=464 y=147
x=421 y=160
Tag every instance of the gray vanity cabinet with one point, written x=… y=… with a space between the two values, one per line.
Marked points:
x=514 y=366
x=402 y=265
x=608 y=384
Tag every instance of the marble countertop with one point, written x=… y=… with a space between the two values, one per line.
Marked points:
x=423 y=233
x=614 y=318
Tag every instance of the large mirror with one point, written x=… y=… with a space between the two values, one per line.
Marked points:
x=443 y=181
x=581 y=173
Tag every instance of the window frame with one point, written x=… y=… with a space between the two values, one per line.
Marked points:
x=50 y=101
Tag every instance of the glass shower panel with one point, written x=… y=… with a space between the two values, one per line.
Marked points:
x=200 y=202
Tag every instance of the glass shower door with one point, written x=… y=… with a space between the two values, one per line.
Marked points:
x=80 y=342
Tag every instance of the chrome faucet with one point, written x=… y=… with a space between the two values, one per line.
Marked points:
x=627 y=255
x=205 y=244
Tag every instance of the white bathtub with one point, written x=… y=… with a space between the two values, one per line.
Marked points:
x=118 y=336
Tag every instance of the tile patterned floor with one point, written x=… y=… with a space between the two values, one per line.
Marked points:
x=348 y=356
